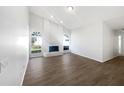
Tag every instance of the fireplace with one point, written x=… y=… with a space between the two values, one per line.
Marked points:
x=65 y=47
x=53 y=48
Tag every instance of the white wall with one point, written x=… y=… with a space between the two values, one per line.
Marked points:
x=109 y=43
x=52 y=33
x=97 y=41
x=116 y=43
x=14 y=45
x=121 y=33
x=35 y=25
x=87 y=41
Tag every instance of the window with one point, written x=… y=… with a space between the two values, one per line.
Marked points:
x=36 y=42
x=66 y=42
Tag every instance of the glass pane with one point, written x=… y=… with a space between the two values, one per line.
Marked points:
x=36 y=42
x=66 y=40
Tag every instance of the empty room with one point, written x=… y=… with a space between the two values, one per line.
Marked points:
x=62 y=45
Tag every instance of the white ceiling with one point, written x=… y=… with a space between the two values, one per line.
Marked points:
x=83 y=15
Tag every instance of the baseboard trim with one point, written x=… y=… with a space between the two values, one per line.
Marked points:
x=86 y=57
x=111 y=58
x=95 y=59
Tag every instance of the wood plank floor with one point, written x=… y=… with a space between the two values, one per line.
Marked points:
x=71 y=69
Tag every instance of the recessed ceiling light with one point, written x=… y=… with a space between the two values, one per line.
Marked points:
x=70 y=8
x=61 y=21
x=51 y=16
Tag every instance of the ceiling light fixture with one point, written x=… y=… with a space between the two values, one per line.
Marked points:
x=61 y=21
x=70 y=8
x=51 y=16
